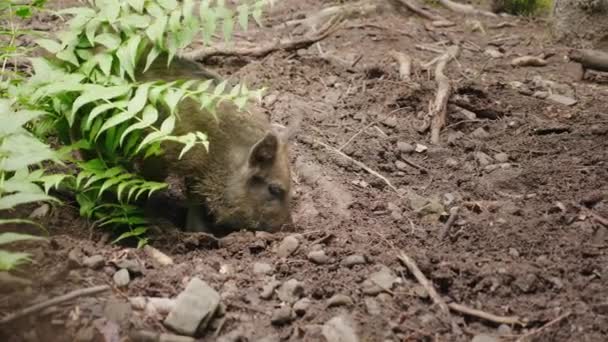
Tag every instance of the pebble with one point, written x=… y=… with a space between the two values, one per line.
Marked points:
x=74 y=257
x=282 y=316
x=261 y=268
x=504 y=329
x=353 y=260
x=454 y=137
x=40 y=212
x=339 y=300
x=122 y=278
x=420 y=291
x=301 y=306
x=480 y=133
x=94 y=261
x=513 y=252
x=401 y=165
x=404 y=147
x=484 y=338
x=133 y=266
x=289 y=245
x=318 y=257
x=420 y=148
x=193 y=308
x=157 y=255
x=482 y=158
x=526 y=283
x=451 y=163
x=501 y=157
x=391 y=121
x=85 y=334
x=372 y=306
x=118 y=311
x=379 y=281
x=599 y=129
x=268 y=289
x=291 y=291
x=339 y=329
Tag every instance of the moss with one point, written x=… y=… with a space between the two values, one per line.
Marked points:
x=523 y=7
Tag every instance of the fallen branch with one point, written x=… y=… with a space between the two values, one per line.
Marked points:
x=438 y=111
x=347 y=11
x=260 y=51
x=360 y=164
x=445 y=230
x=422 y=279
x=590 y=59
x=528 y=61
x=465 y=9
x=544 y=327
x=53 y=301
x=511 y=320
x=405 y=64
x=412 y=6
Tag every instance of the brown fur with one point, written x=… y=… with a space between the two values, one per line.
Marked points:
x=243 y=182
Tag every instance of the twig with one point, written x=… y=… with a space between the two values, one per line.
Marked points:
x=445 y=230
x=438 y=111
x=405 y=64
x=360 y=164
x=414 y=165
x=410 y=5
x=53 y=301
x=484 y=315
x=429 y=48
x=422 y=279
x=544 y=327
x=465 y=9
x=348 y=11
x=332 y=26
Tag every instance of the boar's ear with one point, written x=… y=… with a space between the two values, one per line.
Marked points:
x=264 y=151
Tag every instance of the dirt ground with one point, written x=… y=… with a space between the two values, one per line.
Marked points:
x=529 y=175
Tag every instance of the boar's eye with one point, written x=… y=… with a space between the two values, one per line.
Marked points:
x=276 y=190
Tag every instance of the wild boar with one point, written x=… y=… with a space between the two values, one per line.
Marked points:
x=244 y=180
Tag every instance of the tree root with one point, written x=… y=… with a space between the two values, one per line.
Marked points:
x=465 y=9
x=347 y=11
x=590 y=59
x=438 y=110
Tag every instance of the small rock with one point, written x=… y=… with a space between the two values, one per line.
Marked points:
x=480 y=133
x=40 y=212
x=401 y=165
x=268 y=289
x=420 y=148
x=484 y=338
x=282 y=316
x=501 y=157
x=193 y=308
x=482 y=158
x=339 y=300
x=454 y=137
x=513 y=252
x=94 y=261
x=74 y=258
x=133 y=266
x=122 y=278
x=261 y=268
x=301 y=306
x=318 y=257
x=451 y=163
x=117 y=310
x=379 y=281
x=85 y=334
x=504 y=329
x=291 y=291
x=526 y=283
x=561 y=99
x=289 y=245
x=493 y=52
x=599 y=129
x=353 y=260
x=372 y=306
x=157 y=255
x=420 y=291
x=340 y=329
x=391 y=121
x=404 y=147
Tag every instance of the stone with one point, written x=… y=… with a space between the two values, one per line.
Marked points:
x=454 y=137
x=318 y=257
x=261 y=268
x=390 y=121
x=501 y=157
x=121 y=278
x=268 y=289
x=401 y=165
x=561 y=99
x=133 y=266
x=339 y=300
x=420 y=148
x=526 y=283
x=504 y=329
x=482 y=158
x=197 y=303
x=282 y=315
x=288 y=246
x=513 y=252
x=597 y=129
x=372 y=306
x=160 y=257
x=117 y=310
x=291 y=291
x=484 y=338
x=353 y=260
x=85 y=334
x=404 y=147
x=340 y=329
x=379 y=281
x=480 y=133
x=94 y=261
x=451 y=163
x=301 y=306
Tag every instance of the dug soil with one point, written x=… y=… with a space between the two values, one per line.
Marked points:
x=528 y=174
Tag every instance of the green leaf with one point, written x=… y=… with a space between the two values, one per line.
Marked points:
x=172 y=98
x=228 y=23
x=137 y=5
x=10 y=260
x=49 y=45
x=109 y=40
x=149 y=117
x=110 y=9
x=113 y=181
x=23 y=12
x=156 y=31
x=6 y=238
x=243 y=16
x=12 y=121
x=165 y=129
x=188 y=9
x=152 y=55
x=95 y=92
x=11 y=201
x=22 y=150
x=156 y=91
x=126 y=185
x=133 y=233
x=136 y=20
x=52 y=181
x=174 y=20
x=104 y=60
x=103 y=108
x=91 y=30
x=68 y=55
x=220 y=88
x=127 y=55
x=135 y=106
x=169 y=5
x=20 y=221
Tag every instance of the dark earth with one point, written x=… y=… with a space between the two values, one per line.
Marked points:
x=529 y=175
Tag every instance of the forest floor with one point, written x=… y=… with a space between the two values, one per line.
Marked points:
x=529 y=176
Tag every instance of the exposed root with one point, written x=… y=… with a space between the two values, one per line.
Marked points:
x=437 y=20
x=405 y=64
x=423 y=280
x=260 y=51
x=445 y=230
x=524 y=337
x=590 y=59
x=465 y=9
x=347 y=11
x=528 y=61
x=511 y=320
x=438 y=111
